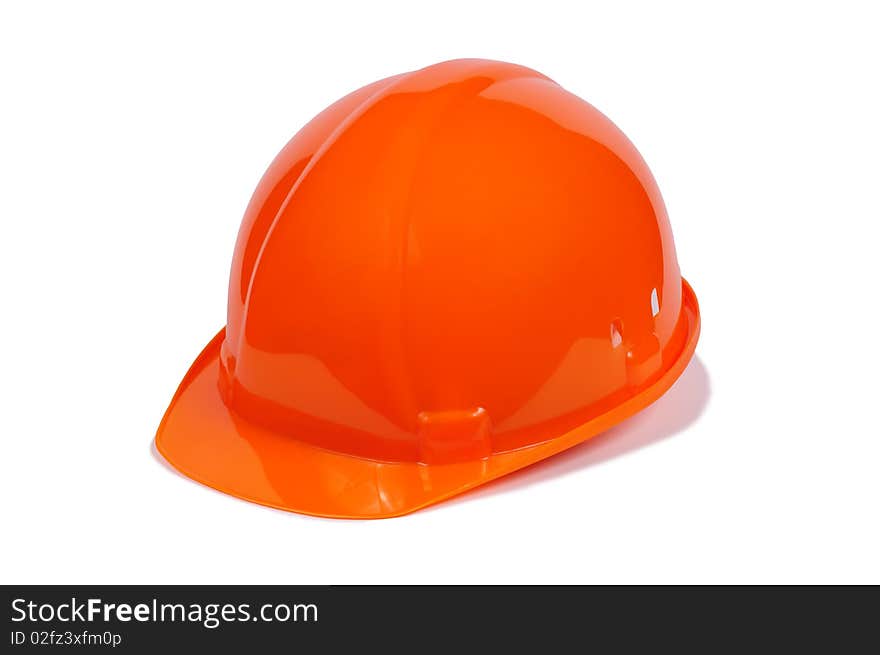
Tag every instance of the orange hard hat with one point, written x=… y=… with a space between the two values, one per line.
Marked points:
x=445 y=276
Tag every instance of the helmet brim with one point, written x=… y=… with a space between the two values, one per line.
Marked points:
x=204 y=440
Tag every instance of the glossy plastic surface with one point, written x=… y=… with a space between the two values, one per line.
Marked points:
x=445 y=276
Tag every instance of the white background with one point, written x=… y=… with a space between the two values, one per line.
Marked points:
x=131 y=139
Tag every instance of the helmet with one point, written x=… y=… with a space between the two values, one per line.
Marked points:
x=445 y=276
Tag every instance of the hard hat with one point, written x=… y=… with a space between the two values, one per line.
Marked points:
x=445 y=276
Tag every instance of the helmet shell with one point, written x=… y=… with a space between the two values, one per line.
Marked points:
x=450 y=263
